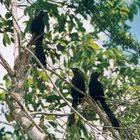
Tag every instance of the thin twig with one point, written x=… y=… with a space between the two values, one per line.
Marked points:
x=3 y=89
x=7 y=123
x=49 y=113
x=6 y=66
x=22 y=132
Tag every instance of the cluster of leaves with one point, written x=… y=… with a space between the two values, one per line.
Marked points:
x=67 y=44
x=6 y=28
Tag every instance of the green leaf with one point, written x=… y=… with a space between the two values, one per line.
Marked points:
x=2 y=95
x=53 y=124
x=74 y=36
x=52 y=98
x=8 y=117
x=7 y=80
x=6 y=38
x=8 y=15
x=61 y=22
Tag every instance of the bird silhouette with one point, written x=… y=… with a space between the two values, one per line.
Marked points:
x=37 y=31
x=97 y=93
x=78 y=82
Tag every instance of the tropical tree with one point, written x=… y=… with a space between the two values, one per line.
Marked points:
x=88 y=34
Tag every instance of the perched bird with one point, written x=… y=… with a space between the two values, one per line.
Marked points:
x=37 y=31
x=97 y=93
x=37 y=24
x=39 y=52
x=77 y=81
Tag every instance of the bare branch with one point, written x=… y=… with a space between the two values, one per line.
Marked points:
x=6 y=123
x=49 y=113
x=21 y=130
x=6 y=66
x=3 y=89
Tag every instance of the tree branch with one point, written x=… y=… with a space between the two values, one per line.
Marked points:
x=101 y=115
x=49 y=113
x=6 y=123
x=6 y=66
x=24 y=119
x=14 y=100
x=16 y=28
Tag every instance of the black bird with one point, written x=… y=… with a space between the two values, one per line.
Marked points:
x=37 y=31
x=77 y=81
x=37 y=24
x=97 y=93
x=39 y=52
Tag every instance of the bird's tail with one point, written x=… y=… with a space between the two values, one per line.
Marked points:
x=40 y=54
x=110 y=115
x=71 y=118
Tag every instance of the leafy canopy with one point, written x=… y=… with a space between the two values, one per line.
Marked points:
x=91 y=35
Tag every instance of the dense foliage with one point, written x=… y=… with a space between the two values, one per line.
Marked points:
x=93 y=36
